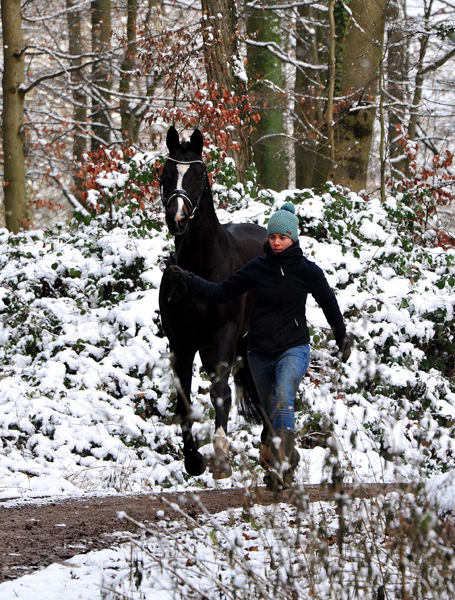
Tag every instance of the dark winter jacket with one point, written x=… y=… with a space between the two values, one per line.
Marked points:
x=281 y=283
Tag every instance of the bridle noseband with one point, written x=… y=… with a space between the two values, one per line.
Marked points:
x=191 y=206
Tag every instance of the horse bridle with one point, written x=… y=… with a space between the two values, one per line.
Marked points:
x=191 y=206
x=176 y=294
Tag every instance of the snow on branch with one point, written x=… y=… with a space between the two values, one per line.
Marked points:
x=278 y=52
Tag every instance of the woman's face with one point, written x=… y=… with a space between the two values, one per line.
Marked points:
x=279 y=242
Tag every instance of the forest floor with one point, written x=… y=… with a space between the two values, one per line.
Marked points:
x=35 y=534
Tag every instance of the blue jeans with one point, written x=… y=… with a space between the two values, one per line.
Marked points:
x=277 y=378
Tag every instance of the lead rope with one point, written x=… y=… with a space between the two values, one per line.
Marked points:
x=179 y=289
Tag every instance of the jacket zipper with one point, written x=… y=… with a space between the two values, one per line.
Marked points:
x=282 y=273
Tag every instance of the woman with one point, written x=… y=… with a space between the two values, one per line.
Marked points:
x=278 y=336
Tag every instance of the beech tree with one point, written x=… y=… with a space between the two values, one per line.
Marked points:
x=349 y=128
x=77 y=87
x=397 y=66
x=267 y=93
x=130 y=123
x=337 y=54
x=102 y=73
x=340 y=50
x=68 y=100
x=310 y=77
x=13 y=116
x=224 y=68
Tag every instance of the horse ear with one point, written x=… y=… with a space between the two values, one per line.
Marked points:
x=197 y=141
x=172 y=138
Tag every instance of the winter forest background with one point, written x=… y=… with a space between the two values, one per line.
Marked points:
x=307 y=91
x=343 y=108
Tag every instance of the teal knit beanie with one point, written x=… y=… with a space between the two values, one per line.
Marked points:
x=285 y=222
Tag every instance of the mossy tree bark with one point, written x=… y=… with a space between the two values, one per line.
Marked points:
x=357 y=73
x=13 y=117
x=265 y=80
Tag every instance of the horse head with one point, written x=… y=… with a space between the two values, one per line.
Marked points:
x=183 y=180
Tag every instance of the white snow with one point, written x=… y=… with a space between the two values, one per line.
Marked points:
x=86 y=390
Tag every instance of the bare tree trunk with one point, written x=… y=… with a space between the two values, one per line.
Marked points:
x=382 y=136
x=221 y=56
x=308 y=93
x=101 y=33
x=79 y=96
x=130 y=125
x=397 y=84
x=358 y=75
x=265 y=80
x=417 y=99
x=13 y=116
x=331 y=83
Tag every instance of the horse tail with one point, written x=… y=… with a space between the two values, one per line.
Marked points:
x=249 y=404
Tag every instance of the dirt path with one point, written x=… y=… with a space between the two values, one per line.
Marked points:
x=37 y=535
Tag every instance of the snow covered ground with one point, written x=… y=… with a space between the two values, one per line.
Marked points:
x=86 y=396
x=278 y=552
x=86 y=576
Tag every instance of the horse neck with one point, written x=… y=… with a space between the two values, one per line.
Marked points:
x=197 y=248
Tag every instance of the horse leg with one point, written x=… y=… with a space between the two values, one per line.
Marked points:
x=220 y=394
x=221 y=399
x=195 y=463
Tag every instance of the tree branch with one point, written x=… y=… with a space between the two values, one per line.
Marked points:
x=70 y=197
x=278 y=52
x=54 y=16
x=438 y=63
x=24 y=90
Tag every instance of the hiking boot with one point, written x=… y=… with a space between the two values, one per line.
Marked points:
x=281 y=461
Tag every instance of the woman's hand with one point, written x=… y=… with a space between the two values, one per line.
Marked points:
x=345 y=346
x=175 y=272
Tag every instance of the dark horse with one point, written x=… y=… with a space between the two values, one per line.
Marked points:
x=193 y=324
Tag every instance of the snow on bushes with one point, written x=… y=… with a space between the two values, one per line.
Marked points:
x=86 y=397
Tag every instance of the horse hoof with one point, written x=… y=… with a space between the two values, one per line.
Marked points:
x=195 y=464
x=275 y=483
x=220 y=466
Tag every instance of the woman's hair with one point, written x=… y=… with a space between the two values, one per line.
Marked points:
x=266 y=245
